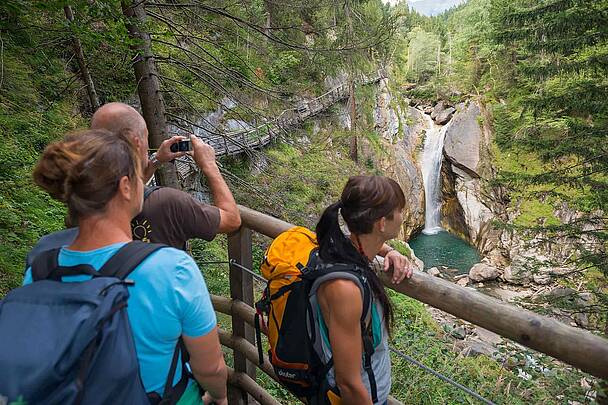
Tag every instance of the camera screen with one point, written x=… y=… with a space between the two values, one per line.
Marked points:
x=181 y=146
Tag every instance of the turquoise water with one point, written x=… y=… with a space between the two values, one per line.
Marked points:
x=444 y=249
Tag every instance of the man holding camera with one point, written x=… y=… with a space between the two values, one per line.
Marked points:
x=168 y=216
x=172 y=216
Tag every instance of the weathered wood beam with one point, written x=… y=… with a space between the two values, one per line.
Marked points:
x=250 y=351
x=241 y=288
x=248 y=385
x=234 y=308
x=574 y=346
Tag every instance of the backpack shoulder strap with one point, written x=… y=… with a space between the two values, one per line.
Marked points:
x=128 y=258
x=150 y=190
x=44 y=264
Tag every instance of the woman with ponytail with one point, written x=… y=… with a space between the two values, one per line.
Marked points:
x=371 y=207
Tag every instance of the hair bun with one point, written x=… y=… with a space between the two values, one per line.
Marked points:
x=52 y=170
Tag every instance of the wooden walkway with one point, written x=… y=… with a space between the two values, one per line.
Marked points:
x=236 y=142
x=242 y=141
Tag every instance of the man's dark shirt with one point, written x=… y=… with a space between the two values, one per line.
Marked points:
x=168 y=216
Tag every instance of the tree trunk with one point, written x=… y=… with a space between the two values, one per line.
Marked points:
x=148 y=88
x=353 y=153
x=82 y=65
x=353 y=150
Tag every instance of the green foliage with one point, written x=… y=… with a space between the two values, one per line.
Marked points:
x=30 y=117
x=280 y=70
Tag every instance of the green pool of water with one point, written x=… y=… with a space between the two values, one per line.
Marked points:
x=444 y=249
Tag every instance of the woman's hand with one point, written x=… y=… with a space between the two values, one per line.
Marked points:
x=402 y=266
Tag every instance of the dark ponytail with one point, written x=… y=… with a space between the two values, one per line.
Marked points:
x=334 y=246
x=365 y=199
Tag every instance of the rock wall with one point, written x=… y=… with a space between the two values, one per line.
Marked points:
x=466 y=177
x=401 y=128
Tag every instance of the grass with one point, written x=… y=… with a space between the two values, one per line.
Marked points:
x=30 y=118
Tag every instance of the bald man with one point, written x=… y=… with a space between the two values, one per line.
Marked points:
x=168 y=216
x=122 y=118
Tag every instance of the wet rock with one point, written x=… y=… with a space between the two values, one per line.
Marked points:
x=434 y=271
x=483 y=272
x=445 y=116
x=438 y=109
x=464 y=281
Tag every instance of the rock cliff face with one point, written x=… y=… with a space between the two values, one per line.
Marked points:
x=401 y=128
x=466 y=175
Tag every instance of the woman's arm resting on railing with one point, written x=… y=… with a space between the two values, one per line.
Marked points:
x=207 y=363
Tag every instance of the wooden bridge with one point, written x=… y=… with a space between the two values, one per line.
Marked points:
x=236 y=142
x=576 y=347
x=241 y=141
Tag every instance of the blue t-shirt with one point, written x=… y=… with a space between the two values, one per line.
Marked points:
x=169 y=299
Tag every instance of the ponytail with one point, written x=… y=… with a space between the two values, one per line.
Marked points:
x=364 y=200
x=334 y=246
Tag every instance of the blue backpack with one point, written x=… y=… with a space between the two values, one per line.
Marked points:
x=71 y=343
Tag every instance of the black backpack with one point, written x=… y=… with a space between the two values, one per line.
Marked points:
x=71 y=342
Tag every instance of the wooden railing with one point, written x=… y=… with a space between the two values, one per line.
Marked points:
x=576 y=347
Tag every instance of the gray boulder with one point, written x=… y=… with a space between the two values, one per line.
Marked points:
x=483 y=272
x=446 y=115
x=462 y=140
x=438 y=109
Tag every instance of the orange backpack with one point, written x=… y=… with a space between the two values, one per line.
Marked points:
x=291 y=265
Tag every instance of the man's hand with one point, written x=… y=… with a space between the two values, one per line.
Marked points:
x=208 y=399
x=203 y=154
x=164 y=153
x=402 y=266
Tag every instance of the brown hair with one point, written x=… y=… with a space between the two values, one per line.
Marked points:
x=84 y=169
x=364 y=200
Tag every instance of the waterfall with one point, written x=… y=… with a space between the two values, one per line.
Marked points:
x=432 y=157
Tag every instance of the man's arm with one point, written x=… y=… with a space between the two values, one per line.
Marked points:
x=204 y=156
x=163 y=155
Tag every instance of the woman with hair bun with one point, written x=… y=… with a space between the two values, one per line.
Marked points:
x=372 y=208
x=98 y=177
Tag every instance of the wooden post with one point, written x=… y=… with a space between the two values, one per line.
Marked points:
x=241 y=288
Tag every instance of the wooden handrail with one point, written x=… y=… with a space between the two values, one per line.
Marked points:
x=247 y=384
x=241 y=345
x=576 y=347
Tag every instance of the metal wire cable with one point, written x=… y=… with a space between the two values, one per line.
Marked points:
x=441 y=376
x=392 y=349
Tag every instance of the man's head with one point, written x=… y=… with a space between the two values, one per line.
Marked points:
x=120 y=118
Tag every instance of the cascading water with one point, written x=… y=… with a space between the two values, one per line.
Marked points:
x=432 y=157
x=436 y=247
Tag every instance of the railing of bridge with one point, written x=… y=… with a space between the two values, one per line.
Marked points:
x=576 y=347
